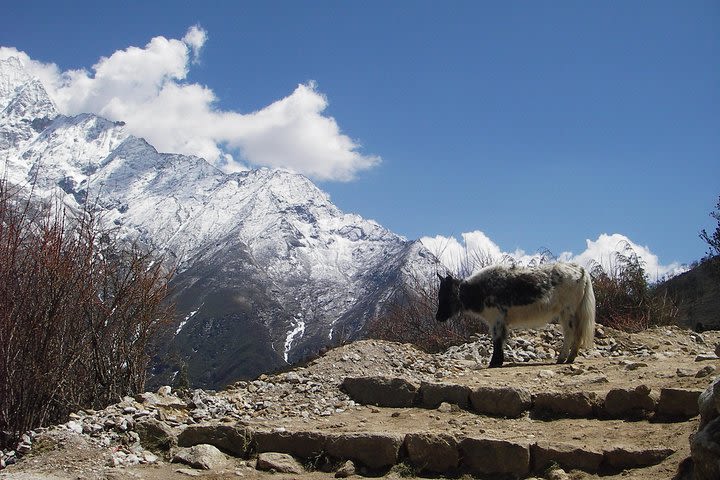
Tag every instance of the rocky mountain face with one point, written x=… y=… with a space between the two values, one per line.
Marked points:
x=268 y=269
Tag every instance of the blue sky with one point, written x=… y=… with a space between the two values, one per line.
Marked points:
x=541 y=124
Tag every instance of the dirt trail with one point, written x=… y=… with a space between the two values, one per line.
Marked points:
x=309 y=399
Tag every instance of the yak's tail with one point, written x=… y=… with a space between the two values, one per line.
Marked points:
x=586 y=314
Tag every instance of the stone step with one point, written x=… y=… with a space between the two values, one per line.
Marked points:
x=437 y=453
x=672 y=404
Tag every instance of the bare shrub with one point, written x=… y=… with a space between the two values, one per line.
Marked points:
x=410 y=318
x=77 y=313
x=625 y=299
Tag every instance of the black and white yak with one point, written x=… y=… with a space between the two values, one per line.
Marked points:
x=506 y=297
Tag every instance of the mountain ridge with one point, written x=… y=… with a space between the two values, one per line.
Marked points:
x=284 y=271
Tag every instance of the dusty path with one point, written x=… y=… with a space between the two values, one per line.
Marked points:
x=309 y=399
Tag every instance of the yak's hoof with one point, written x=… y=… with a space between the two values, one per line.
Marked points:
x=495 y=364
x=561 y=360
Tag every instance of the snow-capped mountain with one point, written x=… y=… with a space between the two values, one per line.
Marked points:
x=269 y=270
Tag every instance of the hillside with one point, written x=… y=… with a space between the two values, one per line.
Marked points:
x=697 y=293
x=624 y=410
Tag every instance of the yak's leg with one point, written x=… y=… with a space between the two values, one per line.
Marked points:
x=499 y=334
x=575 y=343
x=569 y=348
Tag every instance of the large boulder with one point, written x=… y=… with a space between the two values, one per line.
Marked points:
x=705 y=443
x=434 y=453
x=374 y=450
x=229 y=438
x=622 y=458
x=485 y=456
x=709 y=403
x=678 y=403
x=629 y=403
x=298 y=444
x=155 y=435
x=705 y=451
x=433 y=394
x=278 y=462
x=203 y=456
x=501 y=401
x=566 y=404
x=381 y=391
x=567 y=456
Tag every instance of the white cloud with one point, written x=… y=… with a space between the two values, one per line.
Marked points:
x=465 y=257
x=146 y=88
x=476 y=249
x=604 y=250
x=195 y=38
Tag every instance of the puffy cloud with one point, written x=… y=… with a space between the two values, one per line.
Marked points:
x=465 y=257
x=477 y=250
x=145 y=87
x=606 y=247
x=195 y=38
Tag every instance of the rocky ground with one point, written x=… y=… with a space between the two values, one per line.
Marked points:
x=624 y=409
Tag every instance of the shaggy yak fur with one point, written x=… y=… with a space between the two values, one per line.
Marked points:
x=506 y=297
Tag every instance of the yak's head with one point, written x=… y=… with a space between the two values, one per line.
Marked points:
x=448 y=298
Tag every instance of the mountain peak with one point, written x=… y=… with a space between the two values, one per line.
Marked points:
x=291 y=188
x=12 y=77
x=263 y=250
x=31 y=102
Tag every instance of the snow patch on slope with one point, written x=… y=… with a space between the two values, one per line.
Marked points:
x=298 y=330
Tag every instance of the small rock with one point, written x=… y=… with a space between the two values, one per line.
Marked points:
x=150 y=458
x=702 y=358
x=24 y=448
x=74 y=426
x=279 y=462
x=705 y=371
x=635 y=365
x=557 y=474
x=685 y=372
x=164 y=390
x=347 y=470
x=188 y=472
